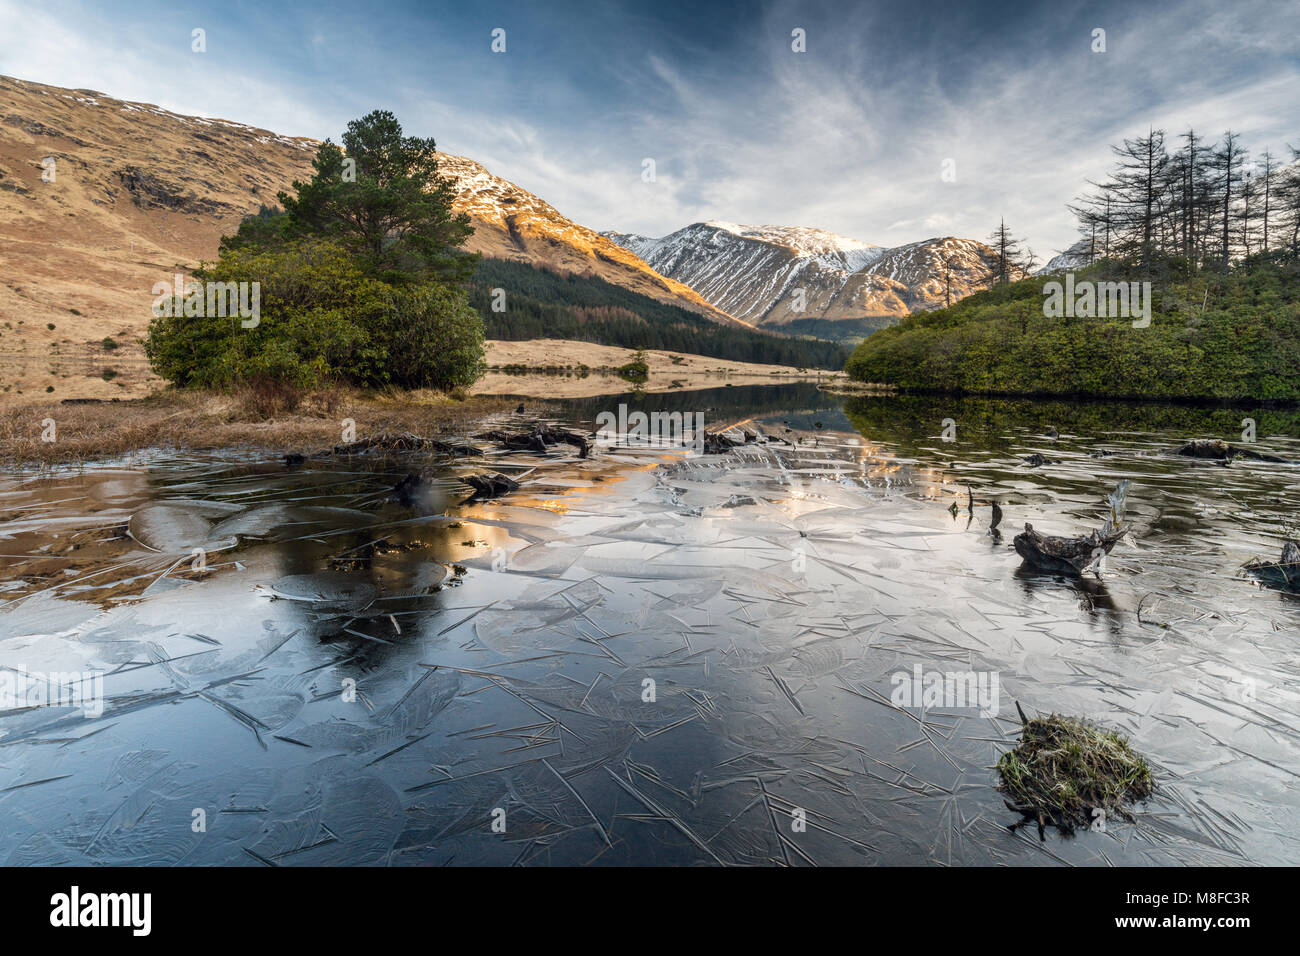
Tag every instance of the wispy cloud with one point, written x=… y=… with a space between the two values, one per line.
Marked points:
x=850 y=135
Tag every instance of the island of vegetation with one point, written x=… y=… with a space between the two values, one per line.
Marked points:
x=364 y=282
x=1213 y=250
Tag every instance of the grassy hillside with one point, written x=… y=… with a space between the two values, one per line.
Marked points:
x=1233 y=336
x=544 y=304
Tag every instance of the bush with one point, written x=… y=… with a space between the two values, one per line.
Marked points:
x=637 y=370
x=433 y=338
x=321 y=319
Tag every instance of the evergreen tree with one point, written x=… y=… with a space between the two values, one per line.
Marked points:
x=385 y=201
x=1007 y=262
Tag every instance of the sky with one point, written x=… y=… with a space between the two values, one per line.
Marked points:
x=898 y=121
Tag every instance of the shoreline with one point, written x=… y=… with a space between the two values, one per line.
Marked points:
x=51 y=435
x=1192 y=401
x=568 y=368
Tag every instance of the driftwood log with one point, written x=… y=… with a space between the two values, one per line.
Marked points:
x=405 y=441
x=492 y=485
x=1216 y=450
x=541 y=438
x=1038 y=461
x=487 y=485
x=1064 y=555
x=721 y=442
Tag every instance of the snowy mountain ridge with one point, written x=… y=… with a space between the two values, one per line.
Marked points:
x=772 y=275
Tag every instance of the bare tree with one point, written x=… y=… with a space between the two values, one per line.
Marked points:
x=1139 y=184
x=1227 y=162
x=1267 y=175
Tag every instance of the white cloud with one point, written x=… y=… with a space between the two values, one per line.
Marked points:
x=850 y=136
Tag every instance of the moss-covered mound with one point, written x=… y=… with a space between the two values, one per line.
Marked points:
x=1066 y=773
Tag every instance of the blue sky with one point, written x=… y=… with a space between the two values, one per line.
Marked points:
x=850 y=135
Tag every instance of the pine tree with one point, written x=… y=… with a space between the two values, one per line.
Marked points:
x=386 y=202
x=1007 y=264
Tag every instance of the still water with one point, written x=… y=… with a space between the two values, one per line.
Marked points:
x=648 y=657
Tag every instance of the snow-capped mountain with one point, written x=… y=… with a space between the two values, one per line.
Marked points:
x=827 y=248
x=512 y=223
x=1076 y=257
x=771 y=275
x=142 y=192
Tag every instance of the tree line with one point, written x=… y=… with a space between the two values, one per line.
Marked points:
x=539 y=303
x=1205 y=202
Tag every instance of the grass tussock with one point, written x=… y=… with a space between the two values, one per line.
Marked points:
x=1067 y=773
x=259 y=416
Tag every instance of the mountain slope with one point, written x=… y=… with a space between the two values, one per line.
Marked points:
x=512 y=223
x=546 y=304
x=138 y=193
x=773 y=275
x=1075 y=257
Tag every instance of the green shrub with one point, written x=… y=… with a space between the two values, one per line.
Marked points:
x=321 y=319
x=432 y=337
x=637 y=370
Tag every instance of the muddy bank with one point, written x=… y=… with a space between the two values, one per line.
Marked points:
x=59 y=433
x=560 y=368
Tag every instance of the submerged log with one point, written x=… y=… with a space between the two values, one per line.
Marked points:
x=1038 y=461
x=539 y=439
x=1283 y=573
x=1216 y=450
x=405 y=441
x=721 y=442
x=405 y=490
x=492 y=485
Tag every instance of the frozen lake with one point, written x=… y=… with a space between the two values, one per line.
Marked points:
x=647 y=657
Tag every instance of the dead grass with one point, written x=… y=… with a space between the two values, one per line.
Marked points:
x=1067 y=773
x=259 y=417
